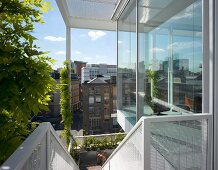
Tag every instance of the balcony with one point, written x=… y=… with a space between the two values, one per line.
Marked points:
x=168 y=143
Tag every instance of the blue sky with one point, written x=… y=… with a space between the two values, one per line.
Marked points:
x=92 y=46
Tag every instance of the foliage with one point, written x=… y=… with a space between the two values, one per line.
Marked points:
x=74 y=152
x=66 y=114
x=154 y=77
x=92 y=143
x=24 y=71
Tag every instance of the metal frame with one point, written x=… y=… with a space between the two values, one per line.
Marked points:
x=138 y=115
x=145 y=122
x=68 y=58
x=213 y=6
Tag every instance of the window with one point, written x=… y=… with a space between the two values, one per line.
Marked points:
x=91 y=110
x=106 y=99
x=97 y=111
x=91 y=90
x=98 y=99
x=91 y=99
x=106 y=113
x=94 y=123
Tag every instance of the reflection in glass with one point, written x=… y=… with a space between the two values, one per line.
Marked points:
x=166 y=51
x=170 y=56
x=127 y=61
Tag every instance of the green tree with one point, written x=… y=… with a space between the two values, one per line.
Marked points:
x=66 y=114
x=24 y=71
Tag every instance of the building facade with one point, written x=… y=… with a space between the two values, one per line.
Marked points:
x=99 y=106
x=76 y=93
x=77 y=66
x=54 y=104
x=92 y=70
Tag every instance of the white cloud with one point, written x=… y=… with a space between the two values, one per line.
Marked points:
x=120 y=42
x=87 y=58
x=184 y=15
x=77 y=52
x=97 y=56
x=184 y=45
x=53 y=38
x=94 y=35
x=157 y=50
x=61 y=52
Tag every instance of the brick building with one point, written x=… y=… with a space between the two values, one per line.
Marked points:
x=99 y=105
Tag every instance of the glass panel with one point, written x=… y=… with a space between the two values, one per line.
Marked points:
x=170 y=56
x=127 y=61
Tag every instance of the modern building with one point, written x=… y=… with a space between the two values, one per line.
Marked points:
x=92 y=70
x=99 y=106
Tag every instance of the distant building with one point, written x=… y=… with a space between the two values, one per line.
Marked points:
x=99 y=105
x=178 y=64
x=92 y=70
x=54 y=104
x=77 y=66
x=75 y=90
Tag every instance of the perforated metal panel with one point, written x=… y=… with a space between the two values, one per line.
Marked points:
x=35 y=161
x=59 y=160
x=165 y=143
x=41 y=150
x=180 y=144
x=129 y=156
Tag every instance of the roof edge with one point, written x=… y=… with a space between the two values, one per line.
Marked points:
x=119 y=9
x=64 y=11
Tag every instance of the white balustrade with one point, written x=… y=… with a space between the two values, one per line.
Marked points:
x=177 y=142
x=42 y=150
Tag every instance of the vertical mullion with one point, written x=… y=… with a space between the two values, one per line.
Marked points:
x=137 y=67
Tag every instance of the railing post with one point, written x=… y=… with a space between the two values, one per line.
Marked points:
x=146 y=145
x=48 y=147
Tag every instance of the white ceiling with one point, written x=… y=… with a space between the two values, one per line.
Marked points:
x=88 y=14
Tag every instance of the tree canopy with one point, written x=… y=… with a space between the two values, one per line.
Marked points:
x=25 y=79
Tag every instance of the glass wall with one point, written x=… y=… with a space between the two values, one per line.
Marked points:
x=127 y=61
x=169 y=61
x=170 y=56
